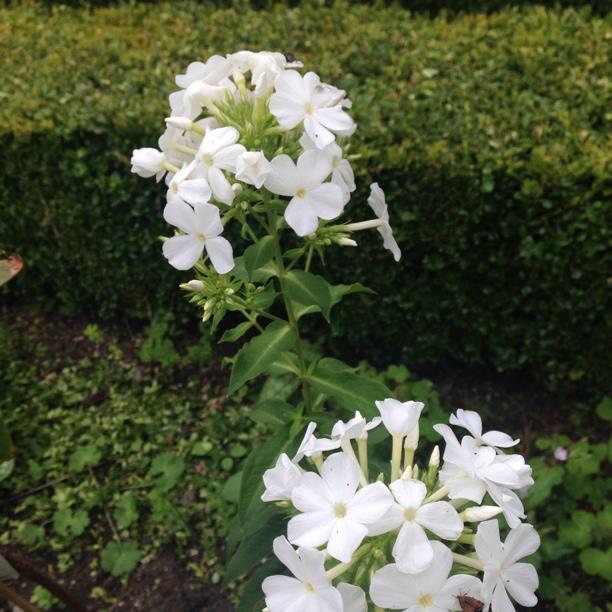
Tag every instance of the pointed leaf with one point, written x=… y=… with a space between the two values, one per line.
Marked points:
x=259 y=254
x=309 y=289
x=339 y=291
x=258 y=354
x=231 y=335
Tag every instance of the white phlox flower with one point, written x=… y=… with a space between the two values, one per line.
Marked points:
x=253 y=168
x=470 y=471
x=502 y=574
x=311 y=446
x=218 y=151
x=399 y=418
x=412 y=550
x=353 y=598
x=471 y=421
x=333 y=511
x=431 y=590
x=201 y=227
x=148 y=162
x=311 y=198
x=185 y=189
x=281 y=480
x=304 y=99
x=354 y=429
x=309 y=590
x=378 y=204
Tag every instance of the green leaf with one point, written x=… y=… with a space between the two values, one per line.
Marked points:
x=65 y=522
x=29 y=534
x=257 y=546
x=287 y=363
x=309 y=289
x=260 y=352
x=259 y=254
x=6 y=469
x=168 y=468
x=85 y=456
x=604 y=409
x=120 y=558
x=597 y=562
x=231 y=335
x=544 y=484
x=252 y=595
x=339 y=291
x=578 y=530
x=272 y=412
x=126 y=512
x=351 y=391
x=231 y=489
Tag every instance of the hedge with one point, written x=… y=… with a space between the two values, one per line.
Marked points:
x=489 y=133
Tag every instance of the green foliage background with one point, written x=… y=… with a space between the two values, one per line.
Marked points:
x=490 y=135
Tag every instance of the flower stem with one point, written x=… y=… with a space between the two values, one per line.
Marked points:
x=468 y=561
x=362 y=448
x=439 y=494
x=396 y=457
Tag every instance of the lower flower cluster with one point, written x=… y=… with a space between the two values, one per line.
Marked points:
x=413 y=538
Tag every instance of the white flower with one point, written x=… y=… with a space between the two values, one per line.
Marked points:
x=305 y=99
x=377 y=203
x=471 y=421
x=333 y=511
x=218 y=151
x=312 y=446
x=252 y=167
x=501 y=571
x=281 y=480
x=476 y=514
x=354 y=429
x=310 y=590
x=342 y=173
x=413 y=551
x=264 y=67
x=399 y=418
x=353 y=598
x=470 y=471
x=212 y=71
x=186 y=189
x=202 y=227
x=148 y=162
x=311 y=199
x=431 y=590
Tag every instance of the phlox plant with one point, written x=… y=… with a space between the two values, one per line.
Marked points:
x=252 y=141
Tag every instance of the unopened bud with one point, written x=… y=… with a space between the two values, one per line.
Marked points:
x=415 y=472
x=206 y=316
x=229 y=291
x=346 y=242
x=196 y=285
x=237 y=188
x=412 y=439
x=181 y=123
x=479 y=513
x=208 y=305
x=434 y=459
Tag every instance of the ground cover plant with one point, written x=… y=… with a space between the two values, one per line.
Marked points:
x=517 y=200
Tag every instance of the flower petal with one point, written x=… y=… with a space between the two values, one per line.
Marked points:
x=522 y=541
x=341 y=475
x=287 y=555
x=283 y=180
x=300 y=217
x=370 y=503
x=335 y=119
x=353 y=598
x=312 y=567
x=194 y=190
x=345 y=538
x=181 y=215
x=326 y=200
x=221 y=188
x=460 y=584
x=440 y=518
x=221 y=255
x=182 y=252
x=319 y=134
x=521 y=581
x=226 y=158
x=501 y=602
x=468 y=419
x=412 y=550
x=217 y=139
x=311 y=528
x=313 y=494
x=499 y=439
x=313 y=168
x=409 y=493
x=390 y=588
x=207 y=220
x=487 y=543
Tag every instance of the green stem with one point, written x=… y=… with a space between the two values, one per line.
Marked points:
x=468 y=562
x=309 y=259
x=396 y=457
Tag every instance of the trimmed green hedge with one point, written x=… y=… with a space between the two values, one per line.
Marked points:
x=490 y=135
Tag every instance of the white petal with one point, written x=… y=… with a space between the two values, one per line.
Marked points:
x=521 y=581
x=287 y=110
x=499 y=439
x=311 y=528
x=390 y=588
x=313 y=567
x=487 y=543
x=327 y=599
x=341 y=475
x=221 y=255
x=335 y=119
x=181 y=215
x=313 y=494
x=226 y=158
x=313 y=168
x=440 y=518
x=287 y=556
x=409 y=493
x=412 y=550
x=345 y=538
x=300 y=217
x=326 y=201
x=194 y=190
x=522 y=541
x=182 y=252
x=501 y=602
x=353 y=598
x=500 y=473
x=221 y=188
x=370 y=503
x=399 y=418
x=468 y=419
x=217 y=139
x=391 y=520
x=319 y=134
x=377 y=203
x=460 y=584
x=283 y=593
x=207 y=219
x=283 y=179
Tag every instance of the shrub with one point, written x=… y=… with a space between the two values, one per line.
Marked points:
x=493 y=136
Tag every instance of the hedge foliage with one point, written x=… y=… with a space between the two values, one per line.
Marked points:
x=490 y=135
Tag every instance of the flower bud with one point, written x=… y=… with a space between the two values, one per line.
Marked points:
x=237 y=188
x=195 y=285
x=434 y=460
x=229 y=291
x=480 y=513
x=346 y=242
x=181 y=123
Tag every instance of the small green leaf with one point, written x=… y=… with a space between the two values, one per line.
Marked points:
x=604 y=409
x=231 y=489
x=126 y=512
x=6 y=469
x=309 y=289
x=339 y=291
x=66 y=523
x=272 y=412
x=259 y=254
x=231 y=335
x=597 y=562
x=168 y=468
x=85 y=456
x=260 y=352
x=120 y=558
x=30 y=534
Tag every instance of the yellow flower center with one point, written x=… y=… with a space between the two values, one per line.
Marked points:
x=309 y=587
x=300 y=193
x=207 y=159
x=425 y=601
x=339 y=510
x=410 y=514
x=308 y=108
x=201 y=237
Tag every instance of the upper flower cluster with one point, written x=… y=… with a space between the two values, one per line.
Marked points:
x=400 y=542
x=245 y=126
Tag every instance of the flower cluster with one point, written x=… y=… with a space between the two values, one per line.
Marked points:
x=248 y=133
x=414 y=538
